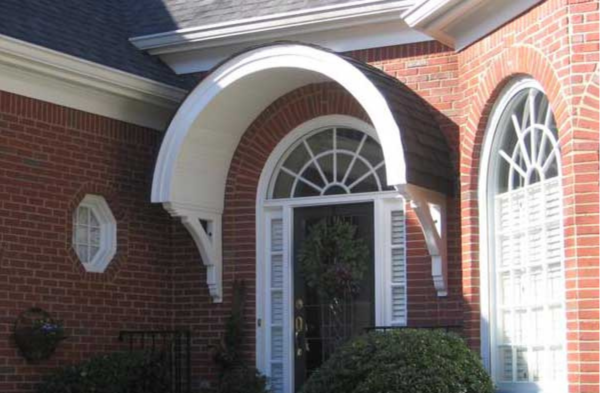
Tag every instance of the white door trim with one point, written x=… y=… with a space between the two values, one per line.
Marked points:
x=266 y=209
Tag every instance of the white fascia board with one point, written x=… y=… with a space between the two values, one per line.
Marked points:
x=375 y=35
x=273 y=26
x=48 y=75
x=422 y=13
x=459 y=23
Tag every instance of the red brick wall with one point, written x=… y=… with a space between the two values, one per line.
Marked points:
x=192 y=306
x=50 y=157
x=431 y=70
x=556 y=43
x=285 y=114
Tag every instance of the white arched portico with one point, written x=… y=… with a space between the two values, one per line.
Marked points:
x=195 y=156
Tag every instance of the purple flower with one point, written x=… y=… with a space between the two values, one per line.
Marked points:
x=49 y=328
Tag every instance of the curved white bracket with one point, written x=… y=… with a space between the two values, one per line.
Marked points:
x=205 y=228
x=430 y=208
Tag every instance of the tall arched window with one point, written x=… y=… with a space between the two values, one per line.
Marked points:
x=522 y=180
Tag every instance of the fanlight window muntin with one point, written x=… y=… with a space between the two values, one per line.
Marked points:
x=529 y=153
x=330 y=161
x=528 y=338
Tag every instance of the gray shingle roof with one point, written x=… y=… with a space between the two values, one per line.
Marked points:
x=94 y=30
x=99 y=30
x=426 y=151
x=157 y=16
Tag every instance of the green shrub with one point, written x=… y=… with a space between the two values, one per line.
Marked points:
x=242 y=380
x=235 y=376
x=402 y=361
x=134 y=372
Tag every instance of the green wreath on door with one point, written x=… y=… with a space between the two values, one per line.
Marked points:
x=333 y=260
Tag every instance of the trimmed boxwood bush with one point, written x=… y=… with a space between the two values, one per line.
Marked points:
x=242 y=380
x=402 y=361
x=135 y=372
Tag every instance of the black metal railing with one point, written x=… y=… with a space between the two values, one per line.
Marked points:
x=174 y=345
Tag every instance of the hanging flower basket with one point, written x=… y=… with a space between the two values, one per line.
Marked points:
x=37 y=334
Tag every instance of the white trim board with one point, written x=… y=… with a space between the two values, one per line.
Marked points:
x=342 y=28
x=376 y=35
x=315 y=19
x=459 y=23
x=44 y=74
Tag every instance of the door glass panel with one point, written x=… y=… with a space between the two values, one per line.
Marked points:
x=321 y=323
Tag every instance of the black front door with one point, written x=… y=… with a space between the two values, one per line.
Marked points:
x=320 y=326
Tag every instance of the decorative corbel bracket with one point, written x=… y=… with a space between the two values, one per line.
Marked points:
x=430 y=208
x=205 y=228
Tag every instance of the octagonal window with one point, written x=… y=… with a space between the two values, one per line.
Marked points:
x=94 y=233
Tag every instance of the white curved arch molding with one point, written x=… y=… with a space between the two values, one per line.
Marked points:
x=192 y=166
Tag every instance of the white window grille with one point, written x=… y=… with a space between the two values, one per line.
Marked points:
x=333 y=161
x=527 y=332
x=94 y=233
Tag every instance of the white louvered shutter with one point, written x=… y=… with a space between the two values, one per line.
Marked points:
x=277 y=305
x=395 y=263
x=530 y=292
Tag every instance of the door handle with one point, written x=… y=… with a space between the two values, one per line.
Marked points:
x=299 y=329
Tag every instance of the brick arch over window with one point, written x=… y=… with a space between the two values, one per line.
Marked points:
x=239 y=215
x=588 y=109
x=285 y=114
x=510 y=64
x=255 y=147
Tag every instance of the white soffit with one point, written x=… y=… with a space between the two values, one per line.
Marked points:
x=47 y=75
x=459 y=23
x=346 y=27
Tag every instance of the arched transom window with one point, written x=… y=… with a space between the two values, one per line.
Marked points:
x=331 y=161
x=527 y=284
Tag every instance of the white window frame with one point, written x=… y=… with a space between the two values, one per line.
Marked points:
x=486 y=247
x=108 y=233
x=384 y=202
x=314 y=160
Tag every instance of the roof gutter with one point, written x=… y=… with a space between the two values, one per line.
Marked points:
x=48 y=75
